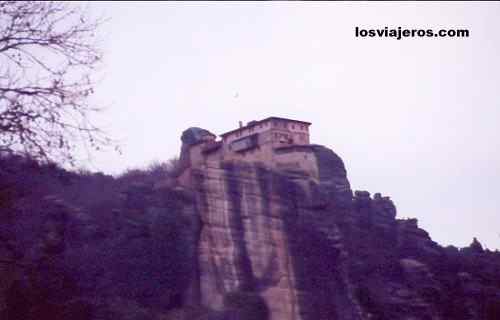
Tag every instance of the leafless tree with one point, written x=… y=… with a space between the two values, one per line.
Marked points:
x=48 y=55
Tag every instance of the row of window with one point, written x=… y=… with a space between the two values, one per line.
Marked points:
x=292 y=125
x=283 y=137
x=280 y=135
x=275 y=124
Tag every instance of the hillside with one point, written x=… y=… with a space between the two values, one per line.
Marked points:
x=230 y=240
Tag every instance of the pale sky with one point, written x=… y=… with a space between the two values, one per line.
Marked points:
x=415 y=119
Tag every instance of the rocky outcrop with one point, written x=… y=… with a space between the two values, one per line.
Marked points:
x=276 y=236
x=230 y=240
x=311 y=249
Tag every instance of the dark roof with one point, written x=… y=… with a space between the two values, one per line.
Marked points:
x=254 y=123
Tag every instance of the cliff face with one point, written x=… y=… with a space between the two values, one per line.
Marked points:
x=228 y=240
x=311 y=249
x=275 y=235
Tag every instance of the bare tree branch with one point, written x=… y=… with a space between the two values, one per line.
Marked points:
x=48 y=52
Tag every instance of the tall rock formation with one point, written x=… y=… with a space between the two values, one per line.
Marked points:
x=275 y=233
x=311 y=249
x=280 y=237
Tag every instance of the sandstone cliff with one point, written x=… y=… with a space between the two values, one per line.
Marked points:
x=314 y=250
x=230 y=240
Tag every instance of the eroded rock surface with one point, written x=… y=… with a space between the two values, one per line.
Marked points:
x=228 y=240
x=276 y=235
x=314 y=250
